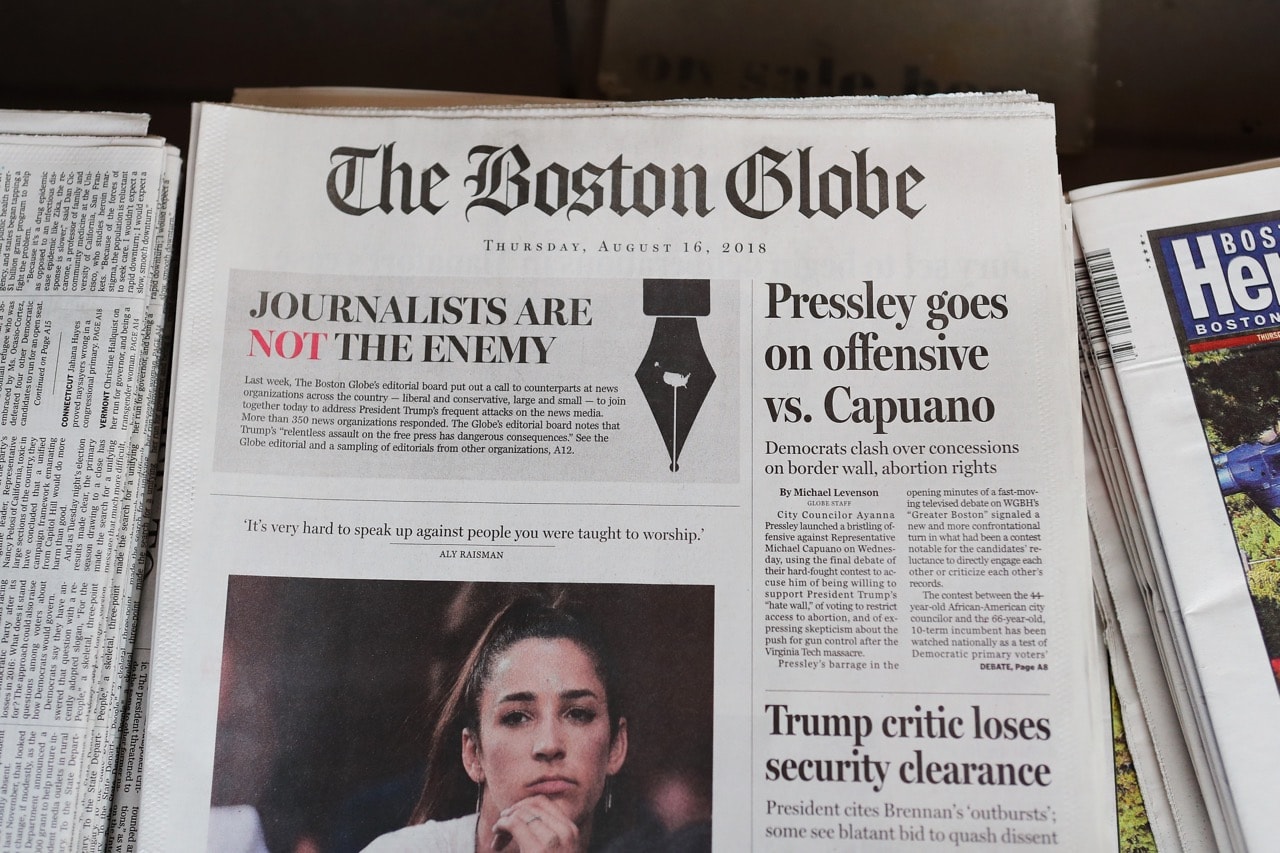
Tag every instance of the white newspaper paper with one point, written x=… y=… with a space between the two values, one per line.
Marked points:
x=784 y=396
x=1165 y=768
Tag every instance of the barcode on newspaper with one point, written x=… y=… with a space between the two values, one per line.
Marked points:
x=1095 y=339
x=1110 y=305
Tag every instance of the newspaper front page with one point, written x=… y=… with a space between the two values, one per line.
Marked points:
x=779 y=400
x=1187 y=271
x=85 y=225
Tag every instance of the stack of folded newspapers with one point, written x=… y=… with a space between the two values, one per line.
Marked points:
x=86 y=227
x=1181 y=368
x=780 y=396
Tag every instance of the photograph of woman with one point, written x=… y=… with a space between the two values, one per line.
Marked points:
x=391 y=716
x=535 y=724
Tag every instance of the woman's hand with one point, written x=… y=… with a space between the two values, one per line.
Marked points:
x=533 y=825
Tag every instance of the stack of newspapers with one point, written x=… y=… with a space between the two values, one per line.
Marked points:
x=86 y=230
x=681 y=476
x=1180 y=299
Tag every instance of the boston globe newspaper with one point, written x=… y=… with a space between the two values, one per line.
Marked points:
x=778 y=400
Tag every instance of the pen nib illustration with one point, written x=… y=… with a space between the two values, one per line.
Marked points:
x=675 y=359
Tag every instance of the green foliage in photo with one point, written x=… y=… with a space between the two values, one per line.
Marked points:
x=1131 y=811
x=1237 y=393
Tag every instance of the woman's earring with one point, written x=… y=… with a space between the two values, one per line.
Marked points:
x=479 y=795
x=608 y=793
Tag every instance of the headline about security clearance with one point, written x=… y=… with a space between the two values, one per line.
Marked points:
x=923 y=726
x=867 y=351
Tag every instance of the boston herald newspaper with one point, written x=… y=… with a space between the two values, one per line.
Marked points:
x=775 y=400
x=1188 y=267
